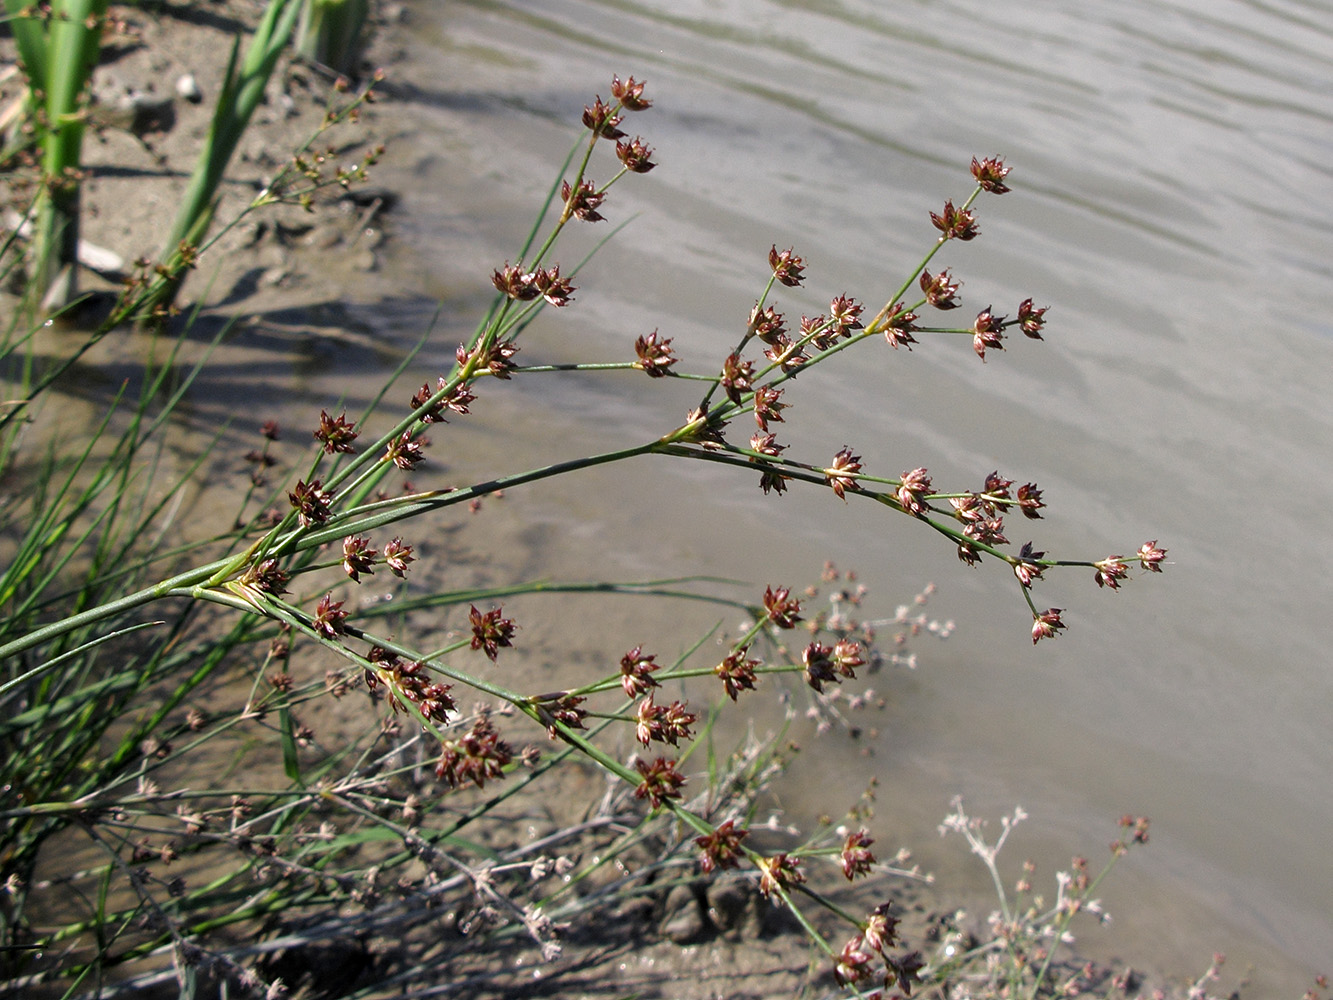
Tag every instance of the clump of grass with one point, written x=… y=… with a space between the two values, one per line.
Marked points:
x=331 y=32
x=58 y=47
x=216 y=644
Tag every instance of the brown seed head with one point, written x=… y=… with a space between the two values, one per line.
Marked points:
x=990 y=174
x=787 y=266
x=956 y=223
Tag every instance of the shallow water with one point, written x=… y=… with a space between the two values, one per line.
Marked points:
x=1170 y=161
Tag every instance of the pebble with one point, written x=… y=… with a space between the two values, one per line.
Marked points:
x=683 y=918
x=736 y=908
x=187 y=88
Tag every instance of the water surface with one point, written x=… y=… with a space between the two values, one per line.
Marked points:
x=1170 y=165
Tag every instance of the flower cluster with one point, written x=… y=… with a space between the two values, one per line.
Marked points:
x=480 y=755
x=655 y=356
x=663 y=723
x=782 y=609
x=562 y=708
x=514 y=282
x=409 y=683
x=456 y=398
x=311 y=502
x=336 y=434
x=780 y=872
x=737 y=672
x=661 y=781
x=877 y=935
x=636 y=670
x=721 y=848
x=490 y=630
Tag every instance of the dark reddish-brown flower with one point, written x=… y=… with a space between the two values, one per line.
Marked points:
x=557 y=291
x=1150 y=556
x=708 y=429
x=912 y=491
x=766 y=444
x=737 y=673
x=601 y=121
x=267 y=577
x=847 y=657
x=987 y=331
x=997 y=486
x=736 y=377
x=881 y=928
x=654 y=354
x=845 y=314
x=768 y=406
x=988 y=531
x=956 y=223
x=782 y=609
x=721 y=848
x=818 y=332
x=906 y=969
x=270 y=430
x=397 y=555
x=818 y=660
x=582 y=202
x=661 y=781
x=497 y=359
x=990 y=174
x=636 y=670
x=1110 y=571
x=311 y=501
x=335 y=433
x=853 y=963
x=1029 y=501
x=515 y=283
x=1025 y=566
x=1046 y=625
x=561 y=707
x=410 y=683
x=786 y=354
x=856 y=858
x=329 y=617
x=490 y=631
x=898 y=326
x=771 y=479
x=1031 y=320
x=635 y=156
x=787 y=266
x=456 y=399
x=404 y=452
x=767 y=324
x=663 y=723
x=779 y=872
x=630 y=94
x=358 y=557
x=841 y=475
x=940 y=289
x=968 y=508
x=478 y=756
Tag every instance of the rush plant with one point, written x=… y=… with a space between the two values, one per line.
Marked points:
x=315 y=827
x=58 y=47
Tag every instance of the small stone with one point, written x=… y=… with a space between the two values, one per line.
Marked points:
x=187 y=88
x=683 y=918
x=737 y=909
